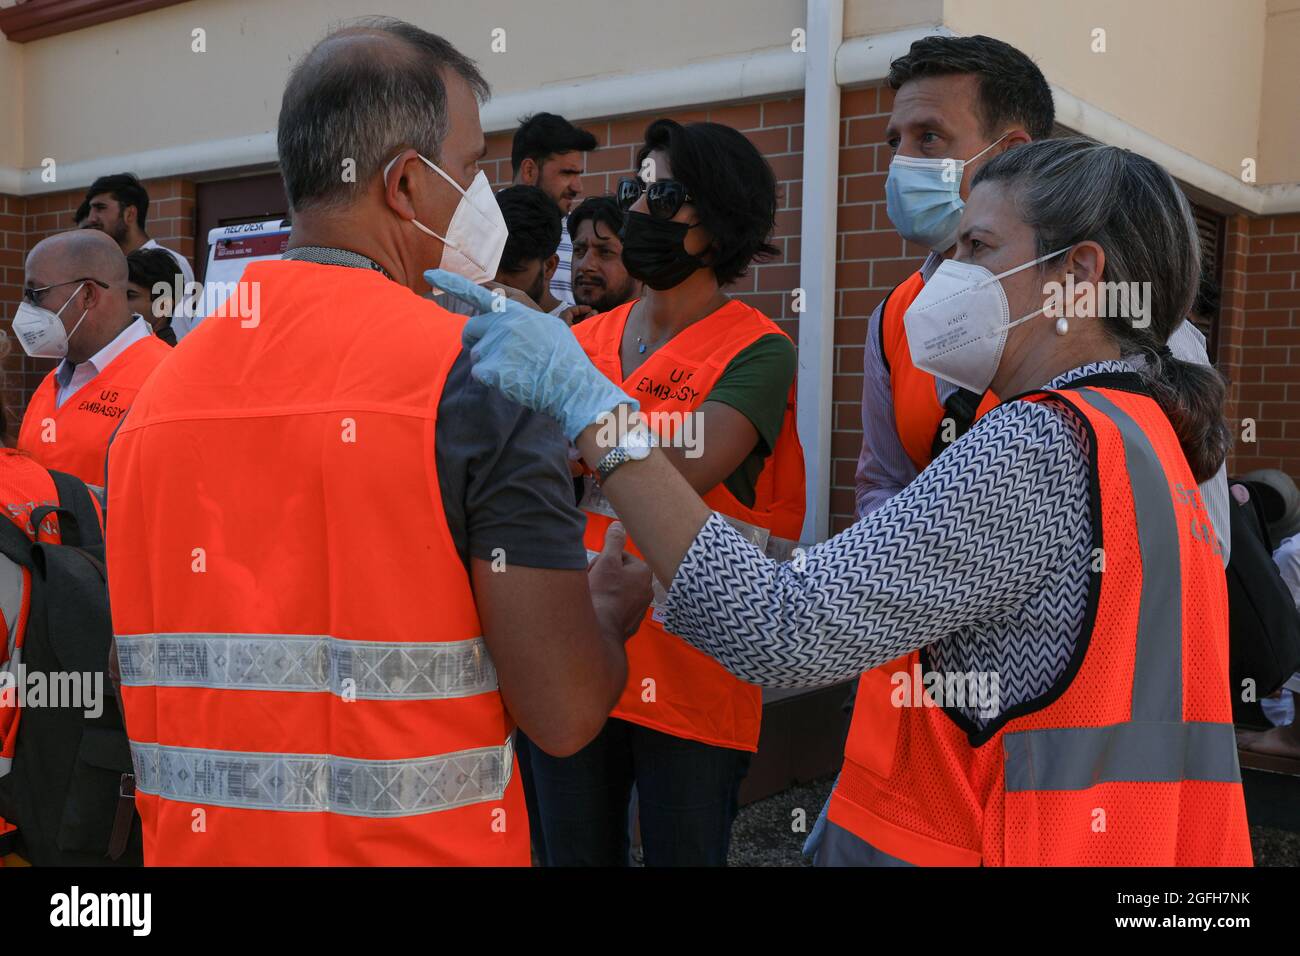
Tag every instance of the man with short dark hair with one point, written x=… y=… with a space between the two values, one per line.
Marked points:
x=547 y=153
x=600 y=280
x=960 y=101
x=369 y=564
x=118 y=205
x=529 y=259
x=151 y=289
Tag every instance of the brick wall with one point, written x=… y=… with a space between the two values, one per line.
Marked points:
x=1259 y=347
x=1232 y=335
x=1260 y=341
x=13 y=249
x=872 y=259
x=25 y=222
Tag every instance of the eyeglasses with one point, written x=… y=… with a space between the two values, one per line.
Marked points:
x=34 y=295
x=664 y=197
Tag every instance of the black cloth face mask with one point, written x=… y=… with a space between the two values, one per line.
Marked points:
x=653 y=251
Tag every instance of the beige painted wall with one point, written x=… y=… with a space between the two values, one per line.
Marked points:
x=1189 y=72
x=1279 y=128
x=865 y=17
x=78 y=83
x=1197 y=74
x=11 y=103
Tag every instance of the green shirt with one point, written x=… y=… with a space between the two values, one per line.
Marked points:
x=756 y=383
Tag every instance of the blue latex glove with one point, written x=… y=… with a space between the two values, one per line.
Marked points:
x=531 y=357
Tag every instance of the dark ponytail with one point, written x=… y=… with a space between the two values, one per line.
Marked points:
x=1191 y=396
x=1072 y=190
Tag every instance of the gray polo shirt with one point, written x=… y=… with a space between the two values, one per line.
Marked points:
x=504 y=476
x=502 y=469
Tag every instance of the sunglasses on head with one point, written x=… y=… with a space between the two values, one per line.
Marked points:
x=663 y=197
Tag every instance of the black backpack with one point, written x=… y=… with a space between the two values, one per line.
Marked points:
x=1263 y=624
x=69 y=791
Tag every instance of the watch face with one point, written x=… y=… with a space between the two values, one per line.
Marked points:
x=638 y=444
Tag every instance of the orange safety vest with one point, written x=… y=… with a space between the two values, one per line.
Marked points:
x=918 y=415
x=671 y=686
x=1130 y=758
x=304 y=676
x=24 y=487
x=74 y=437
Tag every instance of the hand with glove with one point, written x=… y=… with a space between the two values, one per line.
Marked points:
x=534 y=359
x=531 y=357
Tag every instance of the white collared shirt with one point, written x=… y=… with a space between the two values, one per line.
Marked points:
x=69 y=378
x=562 y=280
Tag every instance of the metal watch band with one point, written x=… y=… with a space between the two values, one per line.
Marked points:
x=618 y=455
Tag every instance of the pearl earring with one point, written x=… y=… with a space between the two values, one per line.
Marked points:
x=1062 y=326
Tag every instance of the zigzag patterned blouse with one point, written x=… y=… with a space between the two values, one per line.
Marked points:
x=984 y=558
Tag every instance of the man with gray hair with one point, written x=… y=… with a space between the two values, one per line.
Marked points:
x=75 y=308
x=342 y=570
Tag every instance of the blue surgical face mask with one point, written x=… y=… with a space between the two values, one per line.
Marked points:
x=923 y=197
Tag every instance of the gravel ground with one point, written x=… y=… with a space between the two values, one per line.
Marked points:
x=764 y=833
x=1275 y=847
x=771 y=833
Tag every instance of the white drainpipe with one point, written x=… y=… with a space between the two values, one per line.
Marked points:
x=821 y=178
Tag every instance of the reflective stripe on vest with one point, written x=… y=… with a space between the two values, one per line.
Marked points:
x=314 y=783
x=329 y=709
x=1155 y=745
x=10 y=677
x=1076 y=758
x=1124 y=729
x=310 y=663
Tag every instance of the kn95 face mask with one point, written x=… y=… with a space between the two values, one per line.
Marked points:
x=41 y=333
x=957 y=326
x=476 y=236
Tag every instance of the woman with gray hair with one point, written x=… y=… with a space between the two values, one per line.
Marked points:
x=1040 y=618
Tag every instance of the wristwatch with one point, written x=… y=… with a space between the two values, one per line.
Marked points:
x=634 y=446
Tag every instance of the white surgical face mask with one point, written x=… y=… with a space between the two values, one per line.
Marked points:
x=476 y=235
x=957 y=326
x=923 y=197
x=41 y=332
